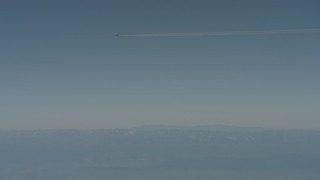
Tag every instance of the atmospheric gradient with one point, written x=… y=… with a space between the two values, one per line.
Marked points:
x=63 y=67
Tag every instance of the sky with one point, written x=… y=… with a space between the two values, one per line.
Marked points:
x=61 y=65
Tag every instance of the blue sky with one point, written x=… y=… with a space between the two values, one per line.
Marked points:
x=62 y=67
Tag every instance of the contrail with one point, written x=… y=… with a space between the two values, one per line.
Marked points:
x=223 y=33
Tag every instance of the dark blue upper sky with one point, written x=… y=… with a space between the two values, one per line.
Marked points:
x=62 y=67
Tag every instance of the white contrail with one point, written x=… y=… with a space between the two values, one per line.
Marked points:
x=223 y=33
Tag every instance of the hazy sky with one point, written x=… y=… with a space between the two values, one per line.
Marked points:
x=62 y=67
